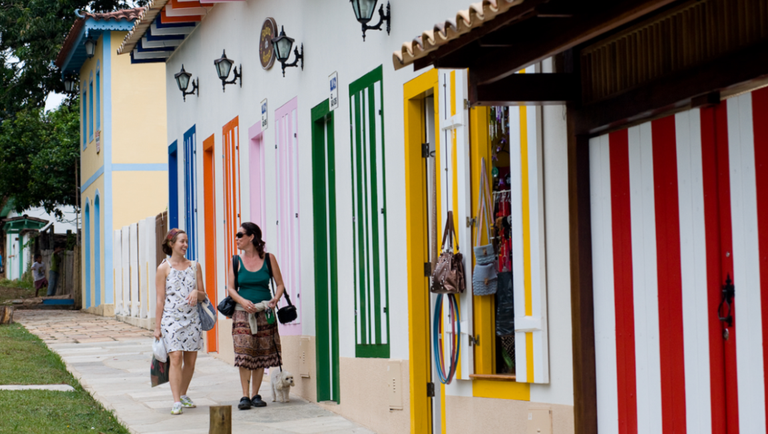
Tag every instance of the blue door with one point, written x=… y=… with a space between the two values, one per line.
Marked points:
x=190 y=191
x=87 y=228
x=97 y=247
x=173 y=187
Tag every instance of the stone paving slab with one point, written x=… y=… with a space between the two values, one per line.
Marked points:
x=111 y=360
x=55 y=387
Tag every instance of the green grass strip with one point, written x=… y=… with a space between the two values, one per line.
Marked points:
x=25 y=359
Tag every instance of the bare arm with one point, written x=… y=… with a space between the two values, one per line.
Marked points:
x=278 y=275
x=162 y=274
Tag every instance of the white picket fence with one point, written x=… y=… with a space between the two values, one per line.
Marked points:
x=136 y=256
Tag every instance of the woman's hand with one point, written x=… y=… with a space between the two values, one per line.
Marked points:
x=192 y=298
x=158 y=333
x=248 y=305
x=273 y=303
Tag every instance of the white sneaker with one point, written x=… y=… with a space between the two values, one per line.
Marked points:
x=177 y=408
x=186 y=402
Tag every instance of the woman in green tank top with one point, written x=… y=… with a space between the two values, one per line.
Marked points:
x=254 y=328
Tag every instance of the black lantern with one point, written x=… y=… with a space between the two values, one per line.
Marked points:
x=282 y=45
x=364 y=12
x=70 y=84
x=182 y=80
x=90 y=47
x=223 y=66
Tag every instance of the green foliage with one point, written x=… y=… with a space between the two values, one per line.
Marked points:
x=38 y=156
x=25 y=359
x=31 y=34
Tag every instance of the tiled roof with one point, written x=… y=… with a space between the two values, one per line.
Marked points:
x=466 y=20
x=143 y=21
x=74 y=32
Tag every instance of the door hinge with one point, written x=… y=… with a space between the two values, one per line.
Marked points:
x=427 y=269
x=467 y=105
x=425 y=153
x=474 y=340
x=430 y=390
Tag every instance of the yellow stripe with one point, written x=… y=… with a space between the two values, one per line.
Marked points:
x=526 y=236
x=455 y=168
x=529 y=357
x=442 y=408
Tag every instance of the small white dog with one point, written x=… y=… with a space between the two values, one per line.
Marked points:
x=282 y=381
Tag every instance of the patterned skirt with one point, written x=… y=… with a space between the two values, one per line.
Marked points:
x=261 y=350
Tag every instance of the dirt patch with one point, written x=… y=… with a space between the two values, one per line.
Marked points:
x=9 y=293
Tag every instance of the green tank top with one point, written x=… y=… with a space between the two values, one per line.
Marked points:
x=254 y=285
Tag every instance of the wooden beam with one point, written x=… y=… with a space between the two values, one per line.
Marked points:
x=527 y=89
x=582 y=303
x=681 y=90
x=546 y=38
x=518 y=13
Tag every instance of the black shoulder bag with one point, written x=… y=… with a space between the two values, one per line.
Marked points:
x=285 y=314
x=227 y=306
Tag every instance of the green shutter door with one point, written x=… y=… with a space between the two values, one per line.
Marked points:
x=326 y=276
x=369 y=216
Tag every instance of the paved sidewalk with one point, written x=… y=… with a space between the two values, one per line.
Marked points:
x=111 y=360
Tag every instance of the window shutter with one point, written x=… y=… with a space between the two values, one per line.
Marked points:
x=369 y=224
x=456 y=195
x=528 y=258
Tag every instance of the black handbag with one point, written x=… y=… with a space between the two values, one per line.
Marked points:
x=227 y=306
x=285 y=314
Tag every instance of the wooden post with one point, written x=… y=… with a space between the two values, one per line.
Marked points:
x=221 y=420
x=6 y=314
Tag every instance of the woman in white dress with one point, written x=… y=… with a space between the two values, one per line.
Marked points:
x=179 y=286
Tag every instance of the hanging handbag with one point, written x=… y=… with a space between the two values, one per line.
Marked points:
x=285 y=314
x=205 y=311
x=448 y=276
x=485 y=273
x=227 y=306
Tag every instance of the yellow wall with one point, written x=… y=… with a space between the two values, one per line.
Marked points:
x=138 y=110
x=90 y=160
x=137 y=195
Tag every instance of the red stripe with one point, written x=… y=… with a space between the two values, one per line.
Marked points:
x=622 y=275
x=760 y=122
x=669 y=276
x=726 y=263
x=712 y=233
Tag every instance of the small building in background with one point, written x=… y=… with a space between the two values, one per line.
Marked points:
x=123 y=174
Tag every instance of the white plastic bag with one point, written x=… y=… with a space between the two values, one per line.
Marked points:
x=158 y=349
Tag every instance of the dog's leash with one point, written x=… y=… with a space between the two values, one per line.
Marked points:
x=279 y=357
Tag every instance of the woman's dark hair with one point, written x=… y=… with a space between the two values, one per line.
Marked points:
x=258 y=242
x=170 y=239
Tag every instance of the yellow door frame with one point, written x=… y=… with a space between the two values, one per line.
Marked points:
x=414 y=93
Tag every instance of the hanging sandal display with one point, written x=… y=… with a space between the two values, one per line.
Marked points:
x=448 y=275
x=485 y=273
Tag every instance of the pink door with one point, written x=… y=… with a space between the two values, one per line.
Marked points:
x=286 y=247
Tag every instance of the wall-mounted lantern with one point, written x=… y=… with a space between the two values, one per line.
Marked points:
x=223 y=66
x=90 y=47
x=182 y=80
x=283 y=46
x=70 y=84
x=364 y=12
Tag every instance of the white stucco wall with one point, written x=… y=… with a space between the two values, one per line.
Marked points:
x=333 y=43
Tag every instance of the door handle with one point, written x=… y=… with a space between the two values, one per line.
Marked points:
x=728 y=292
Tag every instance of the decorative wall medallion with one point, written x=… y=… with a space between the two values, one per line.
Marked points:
x=266 y=51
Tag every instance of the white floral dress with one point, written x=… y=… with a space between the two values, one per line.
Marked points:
x=181 y=324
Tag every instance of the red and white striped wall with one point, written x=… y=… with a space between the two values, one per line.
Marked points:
x=678 y=205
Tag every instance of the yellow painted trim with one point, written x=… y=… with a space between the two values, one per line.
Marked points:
x=501 y=390
x=414 y=92
x=484 y=307
x=525 y=174
x=443 y=427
